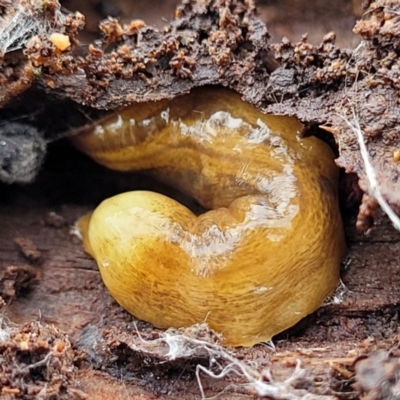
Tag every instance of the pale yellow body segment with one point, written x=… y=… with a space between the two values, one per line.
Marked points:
x=268 y=252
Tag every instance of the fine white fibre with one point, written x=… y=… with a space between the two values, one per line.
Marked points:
x=369 y=170
x=175 y=344
x=337 y=296
x=262 y=384
x=75 y=231
x=5 y=328
x=18 y=26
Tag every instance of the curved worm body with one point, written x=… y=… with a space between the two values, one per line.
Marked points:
x=265 y=255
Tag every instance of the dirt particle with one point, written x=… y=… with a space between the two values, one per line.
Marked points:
x=59 y=40
x=30 y=369
x=28 y=249
x=55 y=220
x=15 y=279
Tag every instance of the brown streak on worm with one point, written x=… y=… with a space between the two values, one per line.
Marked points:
x=265 y=255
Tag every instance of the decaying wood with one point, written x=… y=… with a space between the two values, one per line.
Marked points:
x=223 y=42
x=46 y=279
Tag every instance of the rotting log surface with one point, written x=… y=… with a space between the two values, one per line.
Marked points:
x=63 y=285
x=224 y=42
